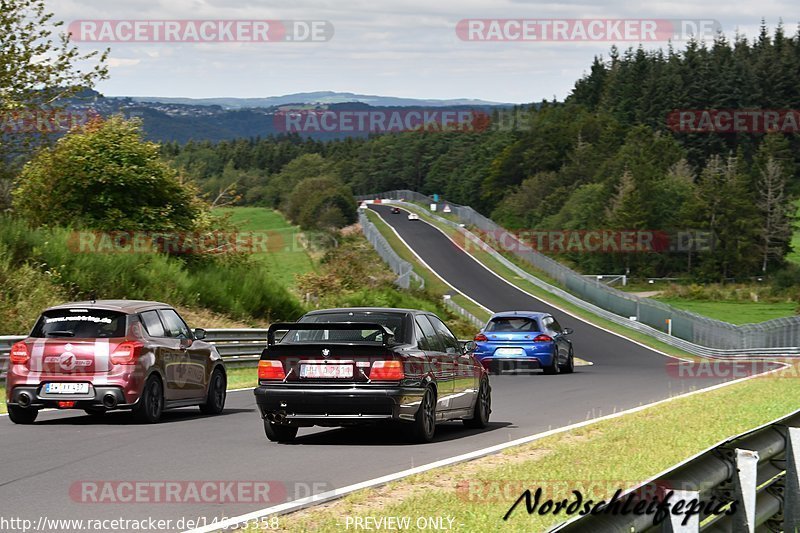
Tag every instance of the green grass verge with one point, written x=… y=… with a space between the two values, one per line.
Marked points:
x=286 y=258
x=240 y=378
x=596 y=459
x=432 y=282
x=734 y=312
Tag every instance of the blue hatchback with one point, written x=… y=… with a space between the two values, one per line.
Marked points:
x=524 y=340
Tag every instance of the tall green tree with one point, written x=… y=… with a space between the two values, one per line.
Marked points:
x=104 y=176
x=38 y=70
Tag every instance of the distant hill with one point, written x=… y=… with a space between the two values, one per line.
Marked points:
x=319 y=97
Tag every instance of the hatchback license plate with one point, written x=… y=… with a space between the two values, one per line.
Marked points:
x=326 y=371
x=66 y=388
x=509 y=351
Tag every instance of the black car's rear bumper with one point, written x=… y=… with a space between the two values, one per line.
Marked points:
x=328 y=406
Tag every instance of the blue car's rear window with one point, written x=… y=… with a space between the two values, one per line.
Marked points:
x=513 y=324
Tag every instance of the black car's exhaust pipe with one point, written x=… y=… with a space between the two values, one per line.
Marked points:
x=110 y=401
x=24 y=400
x=277 y=418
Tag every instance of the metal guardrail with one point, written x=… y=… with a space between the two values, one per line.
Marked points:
x=759 y=470
x=690 y=332
x=475 y=321
x=238 y=347
x=399 y=266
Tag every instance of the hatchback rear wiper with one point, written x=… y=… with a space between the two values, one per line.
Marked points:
x=61 y=333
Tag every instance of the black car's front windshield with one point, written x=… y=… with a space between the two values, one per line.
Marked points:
x=394 y=321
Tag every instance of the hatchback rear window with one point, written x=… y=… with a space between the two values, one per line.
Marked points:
x=80 y=324
x=513 y=324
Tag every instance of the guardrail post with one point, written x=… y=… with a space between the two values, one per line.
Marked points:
x=791 y=493
x=675 y=522
x=745 y=482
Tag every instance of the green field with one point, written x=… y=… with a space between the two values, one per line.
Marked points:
x=734 y=312
x=286 y=258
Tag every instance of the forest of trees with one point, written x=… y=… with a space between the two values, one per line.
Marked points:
x=605 y=158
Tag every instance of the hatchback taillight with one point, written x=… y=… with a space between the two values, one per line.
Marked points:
x=19 y=354
x=543 y=338
x=271 y=371
x=386 y=371
x=127 y=353
x=480 y=337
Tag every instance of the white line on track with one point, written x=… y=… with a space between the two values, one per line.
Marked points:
x=303 y=503
x=536 y=297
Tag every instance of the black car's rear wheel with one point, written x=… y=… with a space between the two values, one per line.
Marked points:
x=215 y=400
x=279 y=433
x=483 y=407
x=424 y=426
x=21 y=415
x=151 y=404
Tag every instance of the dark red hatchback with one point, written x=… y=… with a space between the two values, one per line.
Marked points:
x=113 y=354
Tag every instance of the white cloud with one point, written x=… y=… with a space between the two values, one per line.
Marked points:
x=391 y=47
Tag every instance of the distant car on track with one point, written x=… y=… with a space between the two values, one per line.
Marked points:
x=525 y=340
x=114 y=354
x=413 y=216
x=341 y=367
x=395 y=210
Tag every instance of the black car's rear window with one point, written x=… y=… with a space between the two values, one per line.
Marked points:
x=394 y=321
x=513 y=324
x=81 y=324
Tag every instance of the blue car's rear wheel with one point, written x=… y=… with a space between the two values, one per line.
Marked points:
x=554 y=367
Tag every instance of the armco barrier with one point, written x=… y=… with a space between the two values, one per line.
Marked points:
x=238 y=347
x=760 y=470
x=475 y=321
x=402 y=268
x=691 y=332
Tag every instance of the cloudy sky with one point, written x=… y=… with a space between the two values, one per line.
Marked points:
x=406 y=48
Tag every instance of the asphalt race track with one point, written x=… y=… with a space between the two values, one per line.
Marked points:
x=40 y=463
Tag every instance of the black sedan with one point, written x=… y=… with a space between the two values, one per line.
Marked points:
x=340 y=367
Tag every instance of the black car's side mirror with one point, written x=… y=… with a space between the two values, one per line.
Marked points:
x=199 y=334
x=470 y=346
x=567 y=331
